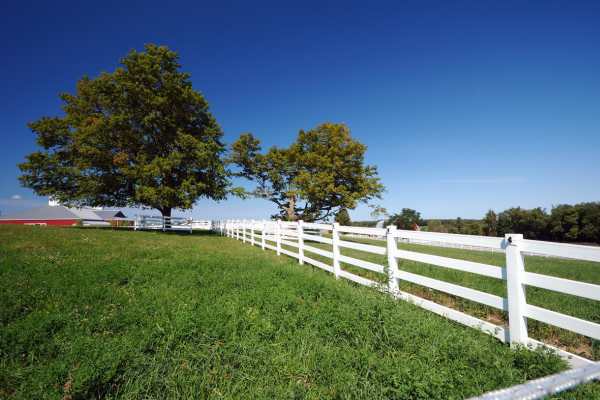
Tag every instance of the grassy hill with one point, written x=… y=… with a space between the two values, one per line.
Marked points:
x=97 y=313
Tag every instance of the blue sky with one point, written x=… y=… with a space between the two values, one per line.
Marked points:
x=464 y=106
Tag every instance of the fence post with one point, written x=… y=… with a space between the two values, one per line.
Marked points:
x=163 y=223
x=515 y=270
x=243 y=231
x=393 y=287
x=135 y=223
x=278 y=237
x=300 y=232
x=253 y=227
x=262 y=235
x=335 y=239
x=249 y=230
x=191 y=225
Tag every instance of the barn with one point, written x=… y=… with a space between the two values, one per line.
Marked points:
x=58 y=215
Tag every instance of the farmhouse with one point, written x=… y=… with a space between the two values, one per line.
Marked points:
x=58 y=215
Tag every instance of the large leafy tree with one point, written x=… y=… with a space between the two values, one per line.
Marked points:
x=322 y=172
x=139 y=136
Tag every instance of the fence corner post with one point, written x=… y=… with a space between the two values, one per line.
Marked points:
x=262 y=234
x=300 y=232
x=517 y=302
x=278 y=237
x=392 y=271
x=335 y=240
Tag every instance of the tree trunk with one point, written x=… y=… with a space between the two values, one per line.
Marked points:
x=291 y=209
x=166 y=213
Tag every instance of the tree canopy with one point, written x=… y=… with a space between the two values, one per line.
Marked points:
x=322 y=172
x=139 y=136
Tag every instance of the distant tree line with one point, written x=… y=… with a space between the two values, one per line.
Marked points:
x=564 y=223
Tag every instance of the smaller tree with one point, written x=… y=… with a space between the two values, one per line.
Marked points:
x=322 y=172
x=407 y=219
x=343 y=218
x=490 y=224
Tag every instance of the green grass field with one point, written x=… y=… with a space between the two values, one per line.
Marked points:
x=570 y=269
x=112 y=314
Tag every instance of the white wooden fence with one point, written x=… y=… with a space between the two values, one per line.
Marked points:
x=150 y=222
x=273 y=234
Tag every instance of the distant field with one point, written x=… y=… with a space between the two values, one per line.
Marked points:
x=100 y=313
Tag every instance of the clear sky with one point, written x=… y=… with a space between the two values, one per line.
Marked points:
x=464 y=106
